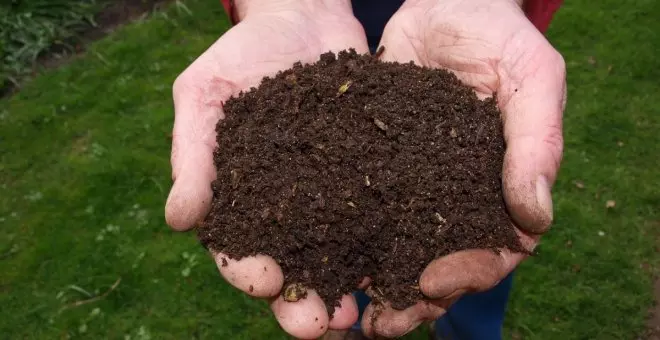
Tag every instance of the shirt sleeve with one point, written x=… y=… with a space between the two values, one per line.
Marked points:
x=229 y=8
x=540 y=12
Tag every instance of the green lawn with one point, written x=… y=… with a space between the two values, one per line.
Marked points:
x=84 y=173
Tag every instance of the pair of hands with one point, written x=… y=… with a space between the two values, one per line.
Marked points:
x=488 y=44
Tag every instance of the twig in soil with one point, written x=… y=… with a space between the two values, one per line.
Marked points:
x=376 y=294
x=379 y=52
x=380 y=291
x=94 y=299
x=476 y=138
x=378 y=299
x=235 y=178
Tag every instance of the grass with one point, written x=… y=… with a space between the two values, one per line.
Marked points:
x=84 y=173
x=29 y=28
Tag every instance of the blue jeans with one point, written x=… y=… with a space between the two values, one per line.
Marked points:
x=475 y=316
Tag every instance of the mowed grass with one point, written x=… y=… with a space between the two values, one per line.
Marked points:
x=84 y=173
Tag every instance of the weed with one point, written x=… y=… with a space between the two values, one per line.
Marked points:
x=29 y=28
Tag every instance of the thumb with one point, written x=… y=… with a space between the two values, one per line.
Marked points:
x=534 y=92
x=198 y=107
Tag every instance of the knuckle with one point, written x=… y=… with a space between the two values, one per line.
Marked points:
x=182 y=83
x=554 y=142
x=554 y=59
x=427 y=284
x=488 y=278
x=558 y=60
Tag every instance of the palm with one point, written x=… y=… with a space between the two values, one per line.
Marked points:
x=459 y=36
x=261 y=45
x=475 y=40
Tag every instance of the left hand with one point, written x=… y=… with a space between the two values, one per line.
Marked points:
x=492 y=47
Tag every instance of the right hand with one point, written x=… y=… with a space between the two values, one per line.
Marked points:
x=271 y=36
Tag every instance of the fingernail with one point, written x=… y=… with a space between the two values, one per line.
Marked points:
x=544 y=200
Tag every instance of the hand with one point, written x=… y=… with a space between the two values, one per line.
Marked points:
x=494 y=48
x=271 y=36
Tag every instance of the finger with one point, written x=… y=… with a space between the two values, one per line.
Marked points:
x=258 y=276
x=469 y=270
x=304 y=319
x=366 y=281
x=397 y=46
x=474 y=270
x=533 y=95
x=384 y=321
x=346 y=314
x=198 y=107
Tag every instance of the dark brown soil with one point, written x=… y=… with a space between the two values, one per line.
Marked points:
x=353 y=167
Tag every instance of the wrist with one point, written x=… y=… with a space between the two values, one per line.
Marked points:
x=245 y=8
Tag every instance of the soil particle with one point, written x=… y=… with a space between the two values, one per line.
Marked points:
x=353 y=167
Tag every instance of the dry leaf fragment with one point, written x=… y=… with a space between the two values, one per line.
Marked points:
x=344 y=88
x=294 y=292
x=291 y=79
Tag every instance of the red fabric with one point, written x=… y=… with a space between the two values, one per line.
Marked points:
x=229 y=8
x=539 y=12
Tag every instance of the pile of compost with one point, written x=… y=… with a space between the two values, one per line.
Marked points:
x=352 y=167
